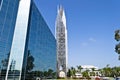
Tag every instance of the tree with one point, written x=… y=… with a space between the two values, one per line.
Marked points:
x=117 y=38
x=92 y=72
x=50 y=73
x=4 y=65
x=30 y=65
x=115 y=71
x=5 y=61
x=30 y=62
x=45 y=73
x=79 y=68
x=93 y=69
x=85 y=74
x=107 y=71
x=73 y=71
x=110 y=72
x=117 y=48
x=69 y=73
x=117 y=35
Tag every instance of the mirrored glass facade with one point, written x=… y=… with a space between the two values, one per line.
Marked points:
x=8 y=13
x=0 y=1
x=27 y=46
x=41 y=46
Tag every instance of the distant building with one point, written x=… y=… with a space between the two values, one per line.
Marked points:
x=78 y=75
x=89 y=67
x=61 y=41
x=62 y=74
x=92 y=70
x=27 y=45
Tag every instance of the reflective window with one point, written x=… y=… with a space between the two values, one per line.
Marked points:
x=41 y=48
x=7 y=24
x=1 y=4
x=19 y=41
x=39 y=51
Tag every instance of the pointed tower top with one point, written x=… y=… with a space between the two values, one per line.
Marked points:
x=61 y=14
x=60 y=9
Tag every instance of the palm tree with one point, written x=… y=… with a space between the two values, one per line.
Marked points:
x=116 y=71
x=107 y=71
x=73 y=71
x=79 y=68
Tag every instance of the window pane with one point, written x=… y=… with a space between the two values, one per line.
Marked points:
x=0 y=2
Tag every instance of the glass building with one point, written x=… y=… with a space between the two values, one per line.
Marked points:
x=27 y=46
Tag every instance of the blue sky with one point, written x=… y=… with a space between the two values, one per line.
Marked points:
x=91 y=25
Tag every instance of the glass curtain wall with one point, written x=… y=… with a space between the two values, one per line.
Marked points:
x=31 y=53
x=41 y=47
x=15 y=63
x=8 y=13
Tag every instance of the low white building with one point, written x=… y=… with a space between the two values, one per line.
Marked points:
x=92 y=73
x=89 y=67
x=38 y=78
x=62 y=74
x=78 y=75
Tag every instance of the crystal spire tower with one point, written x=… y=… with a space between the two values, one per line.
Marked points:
x=61 y=41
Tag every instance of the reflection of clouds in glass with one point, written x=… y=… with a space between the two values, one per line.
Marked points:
x=1 y=1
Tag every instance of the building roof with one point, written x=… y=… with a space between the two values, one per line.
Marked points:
x=89 y=67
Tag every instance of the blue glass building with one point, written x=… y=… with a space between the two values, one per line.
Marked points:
x=27 y=46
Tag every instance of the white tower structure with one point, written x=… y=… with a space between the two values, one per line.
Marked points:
x=61 y=41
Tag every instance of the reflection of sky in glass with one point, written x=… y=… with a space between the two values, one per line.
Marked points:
x=19 y=39
x=0 y=4
x=41 y=42
x=7 y=22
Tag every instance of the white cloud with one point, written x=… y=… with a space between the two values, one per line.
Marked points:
x=84 y=44
x=88 y=41
x=92 y=39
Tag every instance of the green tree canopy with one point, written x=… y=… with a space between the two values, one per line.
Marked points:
x=117 y=35
x=117 y=38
